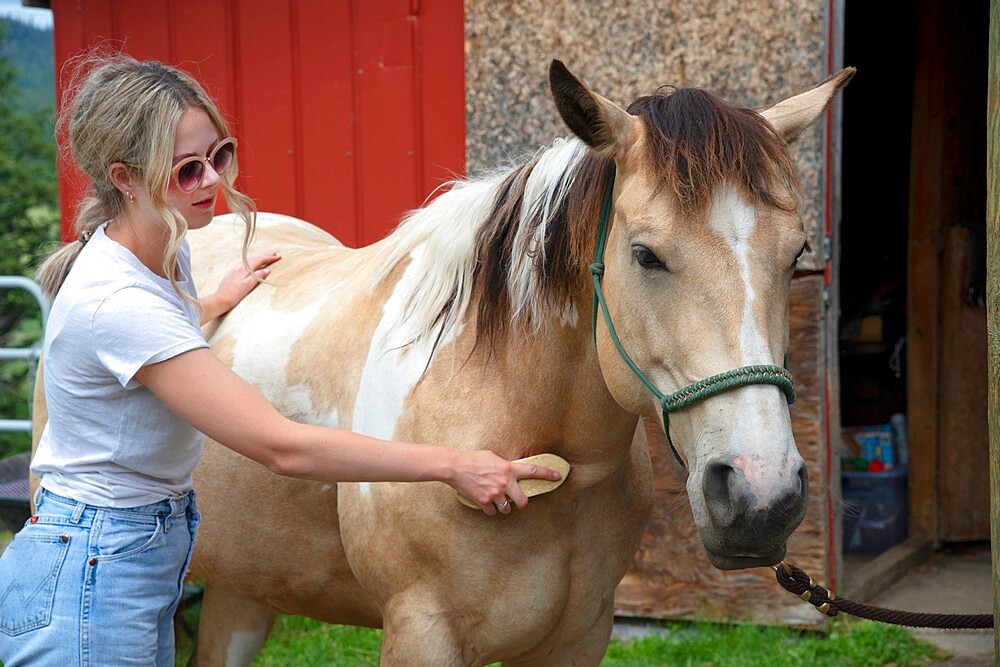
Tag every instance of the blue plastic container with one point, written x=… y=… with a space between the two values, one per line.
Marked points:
x=875 y=509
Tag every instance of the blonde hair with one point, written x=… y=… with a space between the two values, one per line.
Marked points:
x=125 y=110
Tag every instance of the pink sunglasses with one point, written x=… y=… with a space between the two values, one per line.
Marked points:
x=189 y=172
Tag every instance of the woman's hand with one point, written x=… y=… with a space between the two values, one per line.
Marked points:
x=491 y=481
x=235 y=285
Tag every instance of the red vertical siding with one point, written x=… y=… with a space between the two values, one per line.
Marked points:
x=266 y=102
x=143 y=27
x=201 y=42
x=327 y=123
x=441 y=49
x=348 y=112
x=386 y=105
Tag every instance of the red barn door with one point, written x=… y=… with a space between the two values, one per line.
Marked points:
x=348 y=112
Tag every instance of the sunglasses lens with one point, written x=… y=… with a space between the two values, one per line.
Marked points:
x=189 y=176
x=223 y=157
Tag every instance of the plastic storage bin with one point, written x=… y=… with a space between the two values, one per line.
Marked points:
x=874 y=509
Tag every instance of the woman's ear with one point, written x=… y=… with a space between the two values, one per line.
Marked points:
x=122 y=178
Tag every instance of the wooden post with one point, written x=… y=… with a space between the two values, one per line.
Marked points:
x=931 y=94
x=993 y=295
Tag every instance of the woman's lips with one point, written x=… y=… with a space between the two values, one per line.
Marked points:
x=205 y=203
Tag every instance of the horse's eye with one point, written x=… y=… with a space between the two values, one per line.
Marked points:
x=804 y=250
x=646 y=258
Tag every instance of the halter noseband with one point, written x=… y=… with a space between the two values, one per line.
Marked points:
x=700 y=390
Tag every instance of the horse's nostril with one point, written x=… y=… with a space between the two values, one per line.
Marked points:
x=717 y=477
x=718 y=487
x=803 y=480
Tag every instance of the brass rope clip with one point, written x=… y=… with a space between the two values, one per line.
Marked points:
x=812 y=592
x=784 y=566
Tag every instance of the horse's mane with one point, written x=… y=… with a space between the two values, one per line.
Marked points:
x=517 y=242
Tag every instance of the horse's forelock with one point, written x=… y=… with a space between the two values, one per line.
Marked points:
x=696 y=142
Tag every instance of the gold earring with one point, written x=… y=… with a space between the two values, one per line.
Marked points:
x=131 y=198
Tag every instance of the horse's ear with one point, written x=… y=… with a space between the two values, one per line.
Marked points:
x=792 y=116
x=600 y=123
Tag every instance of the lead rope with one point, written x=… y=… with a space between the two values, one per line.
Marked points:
x=794 y=580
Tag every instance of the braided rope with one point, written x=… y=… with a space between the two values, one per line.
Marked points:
x=739 y=377
x=794 y=580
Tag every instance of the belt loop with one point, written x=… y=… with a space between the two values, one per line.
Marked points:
x=37 y=496
x=78 y=512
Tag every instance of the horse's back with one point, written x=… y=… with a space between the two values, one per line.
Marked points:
x=217 y=248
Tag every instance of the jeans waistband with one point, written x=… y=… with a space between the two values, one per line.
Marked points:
x=164 y=508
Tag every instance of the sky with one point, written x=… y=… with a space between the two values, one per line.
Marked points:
x=40 y=18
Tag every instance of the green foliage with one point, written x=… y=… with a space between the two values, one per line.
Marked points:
x=304 y=642
x=29 y=49
x=29 y=226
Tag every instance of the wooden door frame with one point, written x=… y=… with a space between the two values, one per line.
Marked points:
x=993 y=293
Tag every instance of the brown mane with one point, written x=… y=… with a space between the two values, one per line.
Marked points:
x=694 y=140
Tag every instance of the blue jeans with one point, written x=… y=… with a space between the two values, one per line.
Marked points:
x=86 y=585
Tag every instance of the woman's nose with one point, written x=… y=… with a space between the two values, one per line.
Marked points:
x=211 y=176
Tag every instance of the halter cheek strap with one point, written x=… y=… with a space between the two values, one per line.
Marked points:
x=693 y=393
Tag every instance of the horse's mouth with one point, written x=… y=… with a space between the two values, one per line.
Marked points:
x=741 y=562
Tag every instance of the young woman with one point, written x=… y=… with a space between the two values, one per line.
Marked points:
x=131 y=385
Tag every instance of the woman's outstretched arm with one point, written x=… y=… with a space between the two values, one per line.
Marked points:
x=207 y=394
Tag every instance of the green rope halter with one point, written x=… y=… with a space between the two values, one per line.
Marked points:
x=698 y=391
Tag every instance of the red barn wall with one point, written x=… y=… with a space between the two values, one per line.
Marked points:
x=348 y=112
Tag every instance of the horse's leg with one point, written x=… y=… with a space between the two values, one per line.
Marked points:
x=232 y=629
x=416 y=634
x=584 y=650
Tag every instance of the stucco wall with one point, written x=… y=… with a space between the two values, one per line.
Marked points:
x=752 y=53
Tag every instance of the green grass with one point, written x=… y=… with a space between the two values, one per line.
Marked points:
x=302 y=642
x=856 y=644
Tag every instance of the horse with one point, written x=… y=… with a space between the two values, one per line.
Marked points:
x=475 y=325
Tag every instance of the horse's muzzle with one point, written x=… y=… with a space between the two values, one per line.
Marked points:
x=745 y=530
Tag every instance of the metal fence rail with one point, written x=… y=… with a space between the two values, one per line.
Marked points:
x=29 y=354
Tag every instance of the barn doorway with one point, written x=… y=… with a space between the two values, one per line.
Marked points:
x=911 y=235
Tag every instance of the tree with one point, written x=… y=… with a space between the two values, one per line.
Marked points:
x=29 y=226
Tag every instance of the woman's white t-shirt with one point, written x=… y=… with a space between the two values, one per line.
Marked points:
x=108 y=440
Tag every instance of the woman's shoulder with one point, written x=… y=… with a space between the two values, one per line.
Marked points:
x=98 y=274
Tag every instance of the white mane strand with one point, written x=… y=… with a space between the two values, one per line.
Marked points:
x=440 y=241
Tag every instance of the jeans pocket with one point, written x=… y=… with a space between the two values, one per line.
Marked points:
x=122 y=537
x=29 y=570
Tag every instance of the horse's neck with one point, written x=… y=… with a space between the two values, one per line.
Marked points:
x=550 y=382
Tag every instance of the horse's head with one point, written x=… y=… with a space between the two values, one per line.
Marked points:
x=702 y=245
